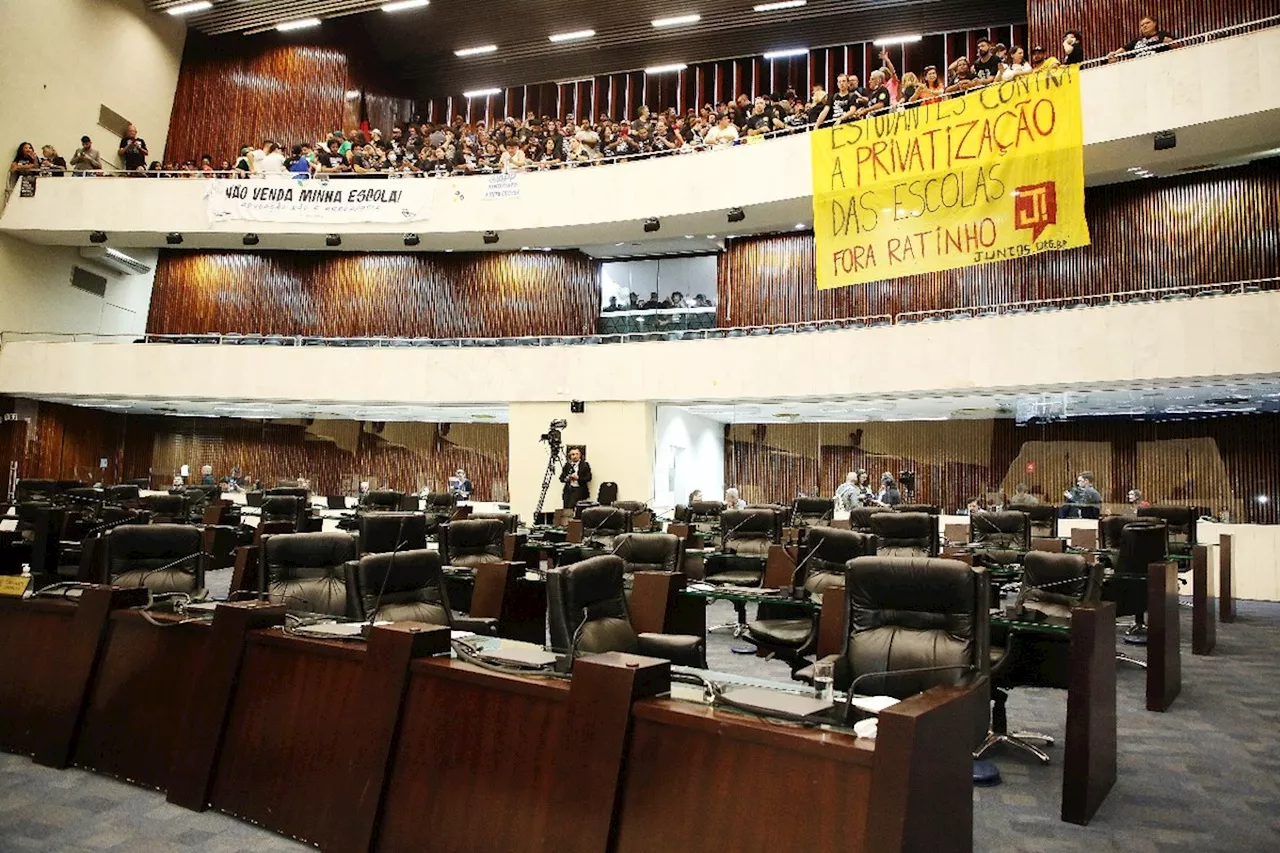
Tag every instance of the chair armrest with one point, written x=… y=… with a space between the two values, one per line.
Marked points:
x=475 y=624
x=682 y=649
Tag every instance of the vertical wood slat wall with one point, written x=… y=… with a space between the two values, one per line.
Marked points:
x=1204 y=228
x=289 y=93
x=1107 y=26
x=68 y=443
x=1220 y=463
x=459 y=294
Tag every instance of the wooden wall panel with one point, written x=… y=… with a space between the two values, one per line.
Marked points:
x=1111 y=25
x=235 y=91
x=1219 y=463
x=1197 y=229
x=68 y=442
x=353 y=295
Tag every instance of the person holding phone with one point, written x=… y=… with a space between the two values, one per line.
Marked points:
x=576 y=476
x=133 y=151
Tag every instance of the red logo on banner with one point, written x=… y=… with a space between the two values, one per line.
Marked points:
x=1036 y=207
x=1031 y=467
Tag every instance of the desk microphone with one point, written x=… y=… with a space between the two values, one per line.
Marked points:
x=795 y=573
x=919 y=670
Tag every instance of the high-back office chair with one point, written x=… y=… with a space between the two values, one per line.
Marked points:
x=704 y=514
x=406 y=588
x=125 y=495
x=510 y=521
x=84 y=496
x=587 y=612
x=999 y=538
x=294 y=491
x=383 y=500
x=631 y=506
x=820 y=565
x=439 y=507
x=905 y=534
x=607 y=493
x=31 y=490
x=17 y=545
x=1052 y=585
x=603 y=524
x=166 y=509
x=1180 y=521
x=906 y=613
x=381 y=532
x=1110 y=528
x=1044 y=519
x=928 y=509
x=1142 y=542
x=811 y=512
x=468 y=543
x=649 y=552
x=306 y=571
x=282 y=509
x=748 y=532
x=860 y=517
x=159 y=557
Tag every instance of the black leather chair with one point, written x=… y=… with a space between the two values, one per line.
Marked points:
x=704 y=514
x=1110 y=528
x=510 y=521
x=31 y=490
x=1052 y=584
x=381 y=532
x=649 y=552
x=307 y=571
x=607 y=493
x=905 y=534
x=466 y=543
x=405 y=587
x=928 y=509
x=1180 y=521
x=811 y=512
x=908 y=613
x=384 y=500
x=631 y=506
x=1044 y=519
x=16 y=545
x=860 y=517
x=748 y=532
x=1142 y=542
x=999 y=539
x=166 y=509
x=439 y=508
x=823 y=555
x=588 y=614
x=601 y=525
x=84 y=496
x=159 y=557
x=126 y=495
x=293 y=491
x=282 y=509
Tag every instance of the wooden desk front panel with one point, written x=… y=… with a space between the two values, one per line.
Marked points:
x=32 y=634
x=292 y=717
x=705 y=780
x=474 y=761
x=136 y=705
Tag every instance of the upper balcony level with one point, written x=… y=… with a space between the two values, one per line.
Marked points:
x=1217 y=123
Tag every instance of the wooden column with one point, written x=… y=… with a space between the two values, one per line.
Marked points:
x=55 y=743
x=1204 y=603
x=1226 y=592
x=212 y=690
x=1164 y=655
x=1089 y=755
x=383 y=678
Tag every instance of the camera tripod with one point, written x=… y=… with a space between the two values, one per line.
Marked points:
x=547 y=475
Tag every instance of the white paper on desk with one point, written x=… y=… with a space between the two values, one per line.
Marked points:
x=866 y=728
x=9 y=523
x=873 y=704
x=701 y=587
x=461 y=635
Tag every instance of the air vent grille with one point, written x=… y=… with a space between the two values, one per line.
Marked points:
x=90 y=282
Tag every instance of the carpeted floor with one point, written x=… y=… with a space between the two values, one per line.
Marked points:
x=1202 y=778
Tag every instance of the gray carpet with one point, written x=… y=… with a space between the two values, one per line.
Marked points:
x=1202 y=778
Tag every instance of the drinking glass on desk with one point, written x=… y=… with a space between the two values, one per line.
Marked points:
x=823 y=676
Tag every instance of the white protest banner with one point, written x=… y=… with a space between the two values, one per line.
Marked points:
x=333 y=201
x=503 y=186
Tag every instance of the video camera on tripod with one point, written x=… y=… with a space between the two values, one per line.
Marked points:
x=553 y=436
x=555 y=441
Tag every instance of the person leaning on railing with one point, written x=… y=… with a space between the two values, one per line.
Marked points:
x=1151 y=39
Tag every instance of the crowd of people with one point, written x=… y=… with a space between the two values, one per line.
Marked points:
x=655 y=302
x=459 y=147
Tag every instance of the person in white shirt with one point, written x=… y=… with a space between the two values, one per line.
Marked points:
x=1017 y=64
x=732 y=500
x=723 y=134
x=513 y=159
x=271 y=161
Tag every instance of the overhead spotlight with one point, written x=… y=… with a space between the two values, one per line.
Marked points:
x=411 y=240
x=333 y=240
x=97 y=236
x=490 y=237
x=736 y=214
x=651 y=224
x=250 y=239
x=173 y=238
x=1165 y=139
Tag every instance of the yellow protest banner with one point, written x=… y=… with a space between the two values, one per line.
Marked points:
x=993 y=175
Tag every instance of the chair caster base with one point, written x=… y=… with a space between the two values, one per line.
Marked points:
x=985 y=774
x=1134 y=661
x=1015 y=741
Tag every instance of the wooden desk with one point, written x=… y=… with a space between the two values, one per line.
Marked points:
x=1089 y=754
x=1204 y=603
x=1226 y=588
x=1164 y=654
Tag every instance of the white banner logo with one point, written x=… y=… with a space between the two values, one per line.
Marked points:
x=324 y=202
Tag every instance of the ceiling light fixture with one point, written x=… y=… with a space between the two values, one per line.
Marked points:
x=793 y=51
x=405 y=5
x=889 y=41
x=173 y=238
x=190 y=8
x=333 y=240
x=97 y=236
x=576 y=35
x=651 y=224
x=303 y=24
x=412 y=239
x=490 y=237
x=736 y=214
x=476 y=51
x=676 y=21
x=783 y=4
x=250 y=239
x=665 y=69
x=481 y=93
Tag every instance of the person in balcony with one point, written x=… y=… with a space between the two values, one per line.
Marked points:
x=930 y=88
x=133 y=151
x=1016 y=65
x=513 y=158
x=1072 y=48
x=24 y=161
x=1151 y=39
x=50 y=163
x=723 y=134
x=86 y=159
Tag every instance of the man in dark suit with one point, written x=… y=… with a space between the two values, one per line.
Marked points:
x=576 y=476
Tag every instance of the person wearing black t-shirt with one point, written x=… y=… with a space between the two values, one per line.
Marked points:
x=879 y=98
x=331 y=161
x=758 y=121
x=987 y=65
x=817 y=111
x=133 y=151
x=843 y=104
x=1151 y=39
x=1072 y=48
